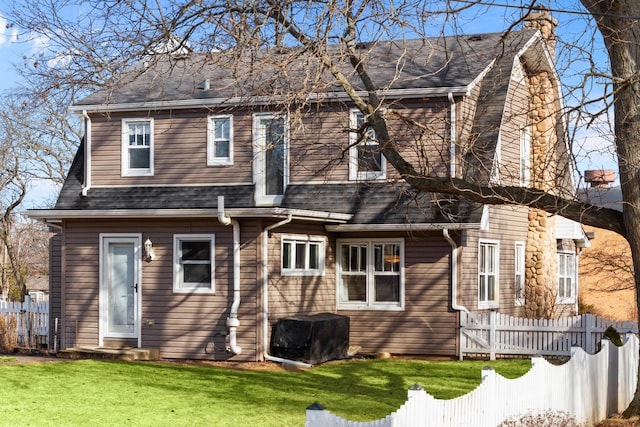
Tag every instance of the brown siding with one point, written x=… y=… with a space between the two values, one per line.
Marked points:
x=319 y=145
x=513 y=121
x=180 y=150
x=427 y=325
x=294 y=295
x=183 y=323
x=55 y=288
x=507 y=225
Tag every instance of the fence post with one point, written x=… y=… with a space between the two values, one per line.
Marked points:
x=589 y=327
x=316 y=416
x=489 y=381
x=492 y=335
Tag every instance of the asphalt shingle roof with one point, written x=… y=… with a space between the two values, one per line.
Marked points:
x=441 y=62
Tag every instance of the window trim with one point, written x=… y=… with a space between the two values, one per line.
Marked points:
x=574 y=279
x=127 y=171
x=178 y=286
x=369 y=304
x=522 y=259
x=495 y=303
x=261 y=198
x=307 y=239
x=354 y=173
x=211 y=141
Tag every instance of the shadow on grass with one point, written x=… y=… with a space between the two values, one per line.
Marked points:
x=88 y=392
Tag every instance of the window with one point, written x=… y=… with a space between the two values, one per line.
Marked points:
x=302 y=256
x=365 y=158
x=137 y=147
x=193 y=263
x=271 y=158
x=220 y=140
x=518 y=280
x=566 y=277
x=370 y=274
x=525 y=156
x=489 y=253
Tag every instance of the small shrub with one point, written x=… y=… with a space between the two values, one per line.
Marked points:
x=8 y=334
x=612 y=334
x=542 y=419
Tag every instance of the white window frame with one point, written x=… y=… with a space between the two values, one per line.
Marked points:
x=341 y=301
x=125 y=169
x=519 y=271
x=483 y=300
x=261 y=198
x=212 y=160
x=525 y=156
x=354 y=173
x=307 y=241
x=571 y=260
x=178 y=284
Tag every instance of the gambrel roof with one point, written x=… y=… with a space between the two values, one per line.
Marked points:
x=405 y=68
x=422 y=68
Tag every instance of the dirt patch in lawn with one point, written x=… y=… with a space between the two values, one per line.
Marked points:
x=620 y=422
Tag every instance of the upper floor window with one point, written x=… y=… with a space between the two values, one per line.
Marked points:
x=302 y=256
x=271 y=157
x=488 y=277
x=518 y=267
x=566 y=278
x=371 y=274
x=220 y=140
x=137 y=147
x=525 y=156
x=365 y=158
x=193 y=263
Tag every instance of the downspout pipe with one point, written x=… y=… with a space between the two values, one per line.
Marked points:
x=87 y=153
x=454 y=276
x=232 y=321
x=265 y=296
x=452 y=136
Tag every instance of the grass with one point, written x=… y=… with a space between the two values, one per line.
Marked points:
x=155 y=394
x=7 y=359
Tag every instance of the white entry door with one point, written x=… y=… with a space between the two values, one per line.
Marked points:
x=120 y=287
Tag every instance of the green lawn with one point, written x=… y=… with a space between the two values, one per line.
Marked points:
x=86 y=393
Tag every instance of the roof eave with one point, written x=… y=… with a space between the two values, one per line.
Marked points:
x=265 y=100
x=404 y=227
x=275 y=212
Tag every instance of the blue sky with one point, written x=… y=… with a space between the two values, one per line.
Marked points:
x=592 y=148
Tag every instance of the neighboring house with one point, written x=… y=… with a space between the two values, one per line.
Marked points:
x=197 y=213
x=606 y=268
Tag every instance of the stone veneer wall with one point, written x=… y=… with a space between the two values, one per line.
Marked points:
x=541 y=260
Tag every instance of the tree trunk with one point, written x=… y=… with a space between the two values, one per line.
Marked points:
x=622 y=39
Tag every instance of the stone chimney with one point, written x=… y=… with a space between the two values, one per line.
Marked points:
x=600 y=178
x=541 y=19
x=541 y=260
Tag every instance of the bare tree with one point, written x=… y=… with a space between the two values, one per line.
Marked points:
x=91 y=44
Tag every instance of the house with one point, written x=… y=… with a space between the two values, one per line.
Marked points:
x=606 y=268
x=202 y=207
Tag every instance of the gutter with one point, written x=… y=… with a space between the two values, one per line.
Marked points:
x=232 y=320
x=87 y=153
x=265 y=295
x=427 y=226
x=267 y=100
x=454 y=277
x=307 y=215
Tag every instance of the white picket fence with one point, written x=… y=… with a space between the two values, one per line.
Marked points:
x=588 y=388
x=495 y=334
x=31 y=320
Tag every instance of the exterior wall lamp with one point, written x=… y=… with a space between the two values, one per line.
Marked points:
x=149 y=251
